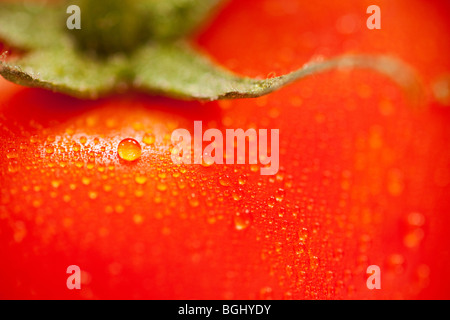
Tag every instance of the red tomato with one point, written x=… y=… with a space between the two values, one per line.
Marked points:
x=365 y=174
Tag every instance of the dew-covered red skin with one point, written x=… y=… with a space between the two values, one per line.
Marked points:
x=365 y=173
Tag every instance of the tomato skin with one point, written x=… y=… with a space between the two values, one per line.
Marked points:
x=365 y=174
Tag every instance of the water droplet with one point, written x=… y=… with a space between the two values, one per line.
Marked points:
x=287 y=295
x=79 y=164
x=49 y=149
x=139 y=193
x=225 y=180
x=271 y=201
x=266 y=293
x=193 y=201
x=242 y=220
x=395 y=182
x=274 y=113
x=76 y=147
x=303 y=235
x=129 y=150
x=396 y=263
x=161 y=186
x=138 y=219
x=289 y=270
x=416 y=219
x=51 y=138
x=140 y=179
x=441 y=90
x=279 y=195
x=56 y=183
x=86 y=181
x=12 y=154
x=243 y=178
x=93 y=195
x=237 y=194
x=34 y=139
x=413 y=238
x=162 y=175
x=13 y=166
x=148 y=139
x=119 y=209
x=314 y=262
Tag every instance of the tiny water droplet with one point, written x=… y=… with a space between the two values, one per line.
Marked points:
x=13 y=167
x=56 y=183
x=79 y=164
x=193 y=201
x=34 y=139
x=413 y=238
x=12 y=154
x=314 y=262
x=279 y=195
x=138 y=219
x=271 y=201
x=242 y=220
x=243 y=178
x=161 y=186
x=266 y=293
x=237 y=194
x=225 y=180
x=416 y=219
x=162 y=175
x=303 y=235
x=49 y=149
x=396 y=263
x=140 y=179
x=441 y=90
x=76 y=147
x=93 y=195
x=129 y=150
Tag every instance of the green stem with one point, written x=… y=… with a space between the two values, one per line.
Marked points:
x=109 y=27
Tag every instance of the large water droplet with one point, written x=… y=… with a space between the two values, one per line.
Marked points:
x=129 y=150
